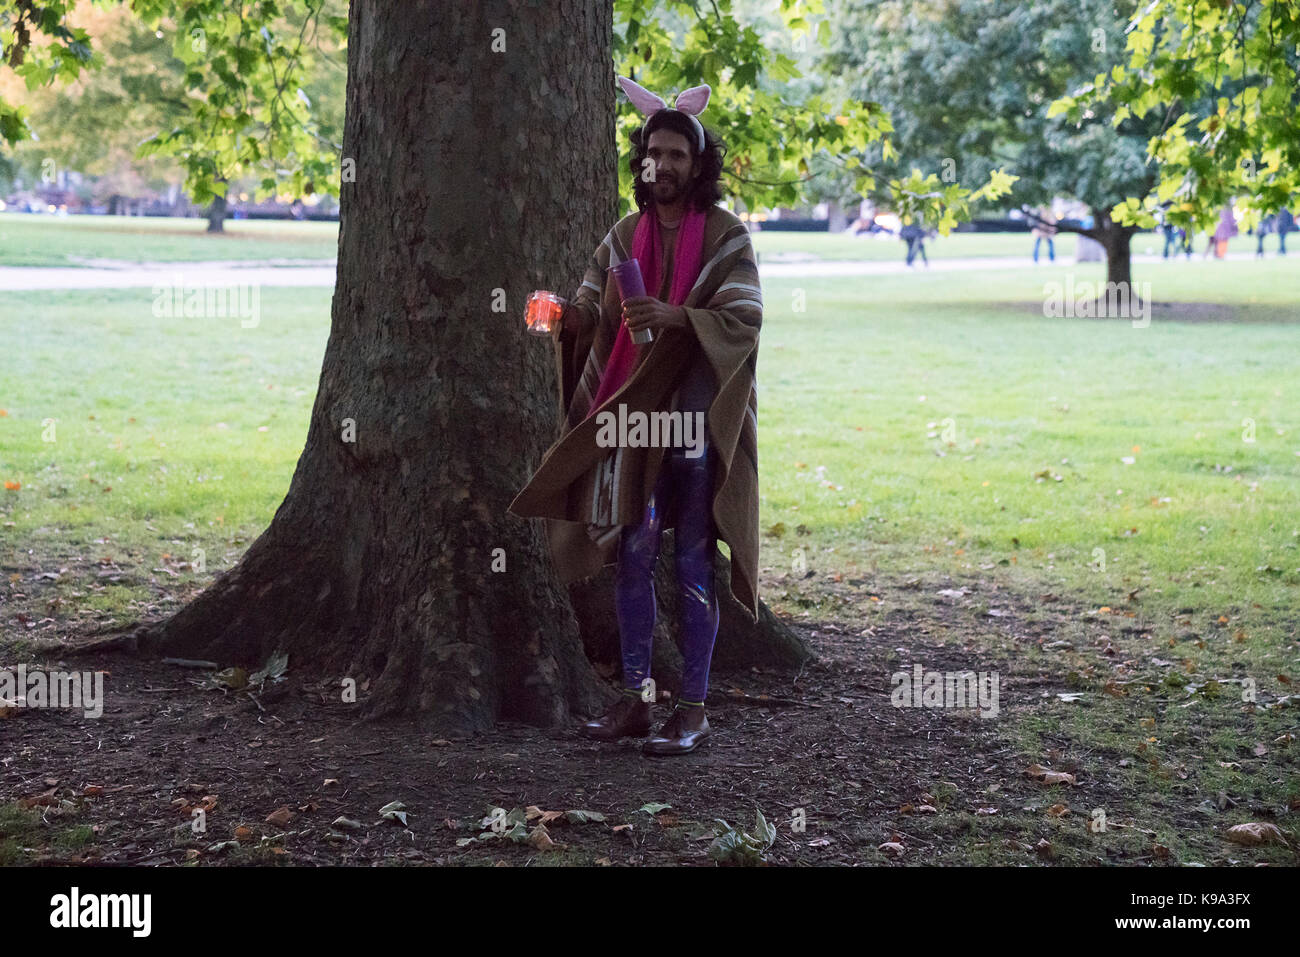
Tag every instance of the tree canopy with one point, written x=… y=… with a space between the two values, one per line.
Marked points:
x=246 y=108
x=1223 y=78
x=969 y=83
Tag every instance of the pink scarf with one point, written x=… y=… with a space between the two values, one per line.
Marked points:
x=647 y=249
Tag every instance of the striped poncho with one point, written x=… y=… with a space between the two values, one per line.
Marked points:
x=588 y=492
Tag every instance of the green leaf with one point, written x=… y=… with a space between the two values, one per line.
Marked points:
x=583 y=817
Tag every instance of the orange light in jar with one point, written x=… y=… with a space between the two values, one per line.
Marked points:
x=543 y=312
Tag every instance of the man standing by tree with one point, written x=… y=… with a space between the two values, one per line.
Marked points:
x=608 y=503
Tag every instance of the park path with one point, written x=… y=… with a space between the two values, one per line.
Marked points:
x=128 y=276
x=133 y=275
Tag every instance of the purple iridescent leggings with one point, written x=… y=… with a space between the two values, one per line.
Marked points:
x=690 y=482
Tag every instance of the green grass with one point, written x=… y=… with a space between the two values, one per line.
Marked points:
x=34 y=240
x=37 y=240
x=933 y=411
x=774 y=246
x=25 y=836
x=20 y=829
x=157 y=442
x=157 y=446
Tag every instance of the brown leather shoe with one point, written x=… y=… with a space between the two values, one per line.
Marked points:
x=629 y=717
x=684 y=731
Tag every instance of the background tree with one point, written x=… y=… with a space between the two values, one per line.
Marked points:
x=96 y=124
x=1224 y=78
x=247 y=65
x=969 y=86
x=240 y=106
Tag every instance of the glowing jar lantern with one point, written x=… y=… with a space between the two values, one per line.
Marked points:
x=543 y=312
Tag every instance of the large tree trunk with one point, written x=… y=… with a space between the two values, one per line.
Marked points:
x=480 y=174
x=1116 y=240
x=217 y=213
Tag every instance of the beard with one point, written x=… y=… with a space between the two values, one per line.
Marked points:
x=669 y=190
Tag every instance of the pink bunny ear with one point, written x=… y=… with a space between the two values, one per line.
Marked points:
x=693 y=100
x=641 y=98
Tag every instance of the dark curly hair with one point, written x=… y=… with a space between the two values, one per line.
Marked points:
x=705 y=191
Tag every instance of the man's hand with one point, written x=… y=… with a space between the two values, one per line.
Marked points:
x=646 y=312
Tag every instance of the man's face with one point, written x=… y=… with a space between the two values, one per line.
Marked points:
x=674 y=168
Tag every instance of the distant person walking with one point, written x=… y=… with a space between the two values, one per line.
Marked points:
x=1285 y=223
x=1177 y=239
x=1044 y=230
x=1263 y=229
x=914 y=235
x=1226 y=229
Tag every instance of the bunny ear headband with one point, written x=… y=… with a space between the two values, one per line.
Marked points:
x=690 y=103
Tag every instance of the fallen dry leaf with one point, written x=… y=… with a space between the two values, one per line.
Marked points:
x=280 y=817
x=1045 y=776
x=540 y=838
x=1256 y=833
x=44 y=799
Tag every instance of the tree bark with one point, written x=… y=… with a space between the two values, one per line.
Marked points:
x=217 y=213
x=481 y=173
x=1117 y=241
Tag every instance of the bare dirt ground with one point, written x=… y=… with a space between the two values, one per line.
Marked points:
x=288 y=774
